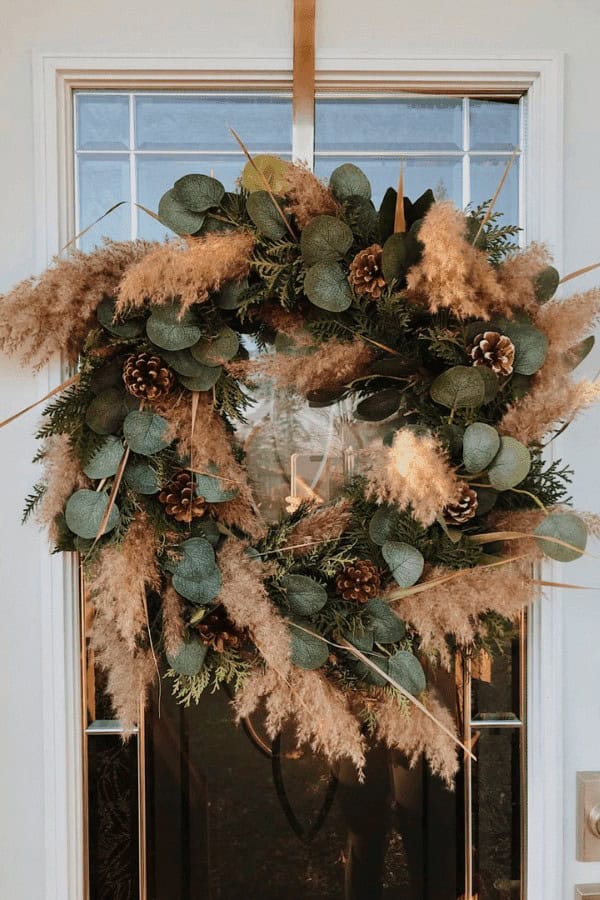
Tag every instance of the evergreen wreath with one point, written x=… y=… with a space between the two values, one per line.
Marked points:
x=432 y=322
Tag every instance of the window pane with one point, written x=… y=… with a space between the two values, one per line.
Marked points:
x=388 y=124
x=495 y=689
x=486 y=172
x=103 y=181
x=443 y=175
x=203 y=123
x=102 y=122
x=494 y=126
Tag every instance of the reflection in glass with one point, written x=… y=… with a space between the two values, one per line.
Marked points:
x=486 y=172
x=102 y=121
x=496 y=684
x=493 y=125
x=102 y=182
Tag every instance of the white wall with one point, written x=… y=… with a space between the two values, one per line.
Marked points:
x=238 y=26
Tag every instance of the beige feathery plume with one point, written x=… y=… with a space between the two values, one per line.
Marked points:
x=307 y=196
x=326 y=523
x=332 y=365
x=54 y=312
x=173 y=626
x=552 y=399
x=414 y=472
x=62 y=476
x=188 y=270
x=414 y=734
x=565 y=322
x=452 y=274
x=517 y=274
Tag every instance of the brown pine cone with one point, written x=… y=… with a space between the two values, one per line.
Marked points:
x=494 y=350
x=147 y=377
x=179 y=498
x=217 y=631
x=464 y=509
x=359 y=581
x=365 y=275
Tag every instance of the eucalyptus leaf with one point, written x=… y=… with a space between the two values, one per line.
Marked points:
x=407 y=671
x=387 y=214
x=361 y=216
x=387 y=626
x=107 y=410
x=326 y=286
x=379 y=406
x=405 y=562
x=198 y=193
x=520 y=385
x=105 y=461
x=458 y=387
x=486 y=500
x=128 y=328
x=264 y=167
x=196 y=576
x=218 y=349
x=307 y=651
x=210 y=531
x=265 y=215
x=325 y=238
x=481 y=443
x=204 y=380
x=141 y=477
x=211 y=488
x=510 y=465
x=531 y=346
x=145 y=432
x=175 y=216
x=368 y=674
x=401 y=251
x=182 y=362
x=565 y=527
x=189 y=657
x=575 y=355
x=231 y=294
x=393 y=367
x=85 y=510
x=305 y=595
x=170 y=330
x=383 y=525
x=546 y=284
x=349 y=181
x=362 y=641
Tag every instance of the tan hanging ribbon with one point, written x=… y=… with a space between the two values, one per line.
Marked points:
x=303 y=88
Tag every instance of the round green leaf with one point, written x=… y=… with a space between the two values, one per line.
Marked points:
x=198 y=192
x=387 y=626
x=199 y=592
x=486 y=500
x=182 y=362
x=379 y=406
x=265 y=215
x=231 y=294
x=106 y=412
x=305 y=595
x=510 y=465
x=84 y=512
x=546 y=284
x=460 y=386
x=578 y=353
x=407 y=671
x=361 y=216
x=108 y=376
x=213 y=489
x=210 y=531
x=325 y=238
x=326 y=285
x=196 y=576
x=170 y=330
x=368 y=674
x=145 y=432
x=362 y=642
x=531 y=346
x=349 y=181
x=491 y=384
x=405 y=562
x=307 y=651
x=129 y=328
x=218 y=349
x=175 y=216
x=189 y=657
x=382 y=525
x=565 y=527
x=264 y=166
x=141 y=477
x=400 y=252
x=481 y=443
x=204 y=380
x=105 y=461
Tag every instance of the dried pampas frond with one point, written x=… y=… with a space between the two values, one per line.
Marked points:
x=551 y=400
x=189 y=270
x=414 y=472
x=173 y=625
x=307 y=196
x=62 y=476
x=55 y=312
x=517 y=274
x=326 y=523
x=564 y=322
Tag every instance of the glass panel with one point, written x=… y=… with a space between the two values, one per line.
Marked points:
x=486 y=172
x=443 y=175
x=203 y=123
x=102 y=182
x=112 y=813
x=102 y=121
x=495 y=689
x=494 y=125
x=366 y=123
x=497 y=815
x=226 y=821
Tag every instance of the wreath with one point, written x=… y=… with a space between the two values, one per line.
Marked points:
x=431 y=323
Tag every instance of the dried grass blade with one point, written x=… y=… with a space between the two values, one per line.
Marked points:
x=399 y=218
x=80 y=234
x=579 y=272
x=61 y=387
x=401 y=593
x=492 y=536
x=112 y=497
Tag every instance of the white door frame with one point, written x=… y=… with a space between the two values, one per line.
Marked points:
x=54 y=78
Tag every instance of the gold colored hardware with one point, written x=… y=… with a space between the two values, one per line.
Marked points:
x=588 y=816
x=303 y=88
x=589 y=891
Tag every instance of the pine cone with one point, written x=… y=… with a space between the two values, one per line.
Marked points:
x=494 y=350
x=180 y=500
x=359 y=581
x=365 y=272
x=147 y=377
x=464 y=509
x=217 y=631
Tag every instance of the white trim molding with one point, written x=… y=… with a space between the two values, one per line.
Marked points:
x=55 y=77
